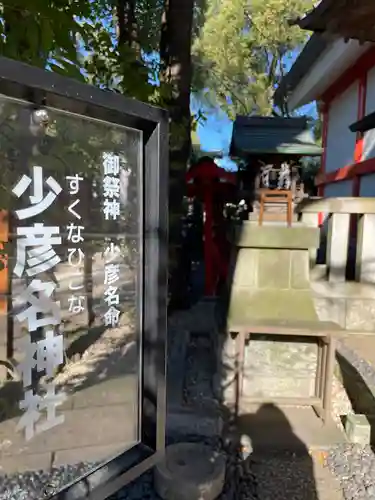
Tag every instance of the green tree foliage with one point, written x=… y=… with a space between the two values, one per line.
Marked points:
x=45 y=31
x=100 y=41
x=242 y=51
x=118 y=48
x=108 y=44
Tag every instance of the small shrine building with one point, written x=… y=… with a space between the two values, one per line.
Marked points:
x=270 y=150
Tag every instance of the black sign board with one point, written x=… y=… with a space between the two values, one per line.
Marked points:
x=83 y=286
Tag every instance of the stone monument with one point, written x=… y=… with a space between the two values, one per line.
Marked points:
x=269 y=280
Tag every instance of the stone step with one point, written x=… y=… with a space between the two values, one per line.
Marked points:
x=275 y=205
x=272 y=216
x=318 y=272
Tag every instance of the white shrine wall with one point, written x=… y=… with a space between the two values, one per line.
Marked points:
x=340 y=140
x=369 y=136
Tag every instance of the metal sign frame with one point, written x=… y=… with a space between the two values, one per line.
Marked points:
x=43 y=88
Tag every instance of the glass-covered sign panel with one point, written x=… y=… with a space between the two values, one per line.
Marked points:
x=70 y=242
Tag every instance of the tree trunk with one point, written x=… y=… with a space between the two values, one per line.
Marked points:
x=175 y=53
x=127 y=25
x=16 y=22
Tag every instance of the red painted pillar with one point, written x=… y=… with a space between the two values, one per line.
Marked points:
x=359 y=141
x=209 y=281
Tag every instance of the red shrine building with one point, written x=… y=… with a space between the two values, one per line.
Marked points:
x=336 y=68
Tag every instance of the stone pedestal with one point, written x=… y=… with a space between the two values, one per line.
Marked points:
x=269 y=275
x=190 y=471
x=269 y=279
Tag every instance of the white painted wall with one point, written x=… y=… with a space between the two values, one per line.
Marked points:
x=338 y=189
x=367 y=186
x=340 y=140
x=338 y=56
x=369 y=139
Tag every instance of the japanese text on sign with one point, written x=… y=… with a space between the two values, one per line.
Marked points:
x=111 y=186
x=111 y=211
x=75 y=254
x=35 y=255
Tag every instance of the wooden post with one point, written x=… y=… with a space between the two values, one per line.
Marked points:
x=365 y=255
x=337 y=246
x=311 y=220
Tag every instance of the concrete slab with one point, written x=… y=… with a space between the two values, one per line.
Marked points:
x=21 y=463
x=327 y=486
x=272 y=428
x=363 y=346
x=360 y=315
x=347 y=289
x=88 y=454
x=107 y=392
x=116 y=424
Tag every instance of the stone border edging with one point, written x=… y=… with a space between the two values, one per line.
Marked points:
x=364 y=369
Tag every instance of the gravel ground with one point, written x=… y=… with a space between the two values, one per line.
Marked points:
x=200 y=366
x=286 y=477
x=37 y=485
x=354 y=464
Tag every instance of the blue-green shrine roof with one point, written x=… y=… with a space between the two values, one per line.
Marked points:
x=262 y=135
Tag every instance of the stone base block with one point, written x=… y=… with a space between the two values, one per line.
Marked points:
x=271 y=368
x=283 y=387
x=358 y=429
x=350 y=304
x=281 y=356
x=190 y=471
x=268 y=387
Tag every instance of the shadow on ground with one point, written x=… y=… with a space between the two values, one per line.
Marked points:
x=272 y=461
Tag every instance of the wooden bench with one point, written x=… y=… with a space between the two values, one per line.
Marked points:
x=326 y=333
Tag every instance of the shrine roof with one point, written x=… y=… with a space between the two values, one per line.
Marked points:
x=308 y=56
x=260 y=135
x=345 y=18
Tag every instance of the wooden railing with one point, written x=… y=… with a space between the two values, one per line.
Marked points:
x=346 y=222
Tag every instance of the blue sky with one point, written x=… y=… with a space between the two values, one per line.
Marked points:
x=215 y=133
